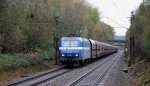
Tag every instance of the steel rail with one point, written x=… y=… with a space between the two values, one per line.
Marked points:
x=32 y=78
x=48 y=79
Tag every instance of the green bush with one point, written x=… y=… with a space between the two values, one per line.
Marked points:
x=12 y=61
x=9 y=61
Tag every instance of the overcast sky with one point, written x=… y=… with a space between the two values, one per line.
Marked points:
x=117 y=10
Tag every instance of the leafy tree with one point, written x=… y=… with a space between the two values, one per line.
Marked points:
x=141 y=32
x=103 y=32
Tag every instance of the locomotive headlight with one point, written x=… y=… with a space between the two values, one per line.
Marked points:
x=62 y=54
x=76 y=55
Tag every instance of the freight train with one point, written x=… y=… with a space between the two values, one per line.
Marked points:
x=73 y=50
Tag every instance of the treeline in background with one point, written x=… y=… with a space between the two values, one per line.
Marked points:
x=30 y=24
x=27 y=27
x=138 y=39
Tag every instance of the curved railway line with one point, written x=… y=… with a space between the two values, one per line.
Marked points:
x=55 y=73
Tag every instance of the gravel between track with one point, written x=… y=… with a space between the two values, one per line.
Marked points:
x=91 y=79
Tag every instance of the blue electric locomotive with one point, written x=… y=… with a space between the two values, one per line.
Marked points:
x=74 y=49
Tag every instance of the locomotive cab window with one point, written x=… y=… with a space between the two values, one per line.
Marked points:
x=65 y=43
x=74 y=43
x=69 y=43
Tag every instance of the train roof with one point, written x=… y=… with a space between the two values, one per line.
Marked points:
x=74 y=38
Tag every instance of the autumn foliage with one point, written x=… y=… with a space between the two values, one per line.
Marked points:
x=28 y=25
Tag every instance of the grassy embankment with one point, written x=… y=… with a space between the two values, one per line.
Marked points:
x=14 y=61
x=13 y=66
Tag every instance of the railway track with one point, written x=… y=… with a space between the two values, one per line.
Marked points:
x=101 y=76
x=41 y=78
x=105 y=72
x=51 y=75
